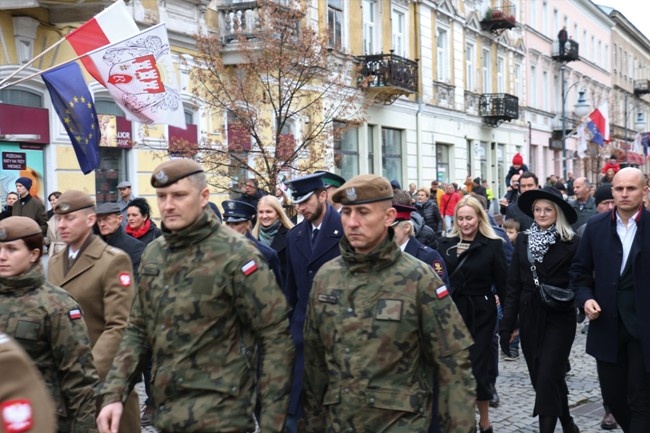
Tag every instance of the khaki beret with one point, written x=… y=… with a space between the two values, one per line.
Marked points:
x=174 y=170
x=108 y=208
x=365 y=188
x=18 y=227
x=73 y=200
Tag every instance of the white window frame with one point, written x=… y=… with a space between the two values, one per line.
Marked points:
x=399 y=18
x=370 y=13
x=339 y=39
x=470 y=70
x=533 y=86
x=546 y=94
x=486 y=71
x=442 y=53
x=501 y=74
x=518 y=80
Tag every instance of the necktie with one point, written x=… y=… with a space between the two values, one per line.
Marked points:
x=314 y=233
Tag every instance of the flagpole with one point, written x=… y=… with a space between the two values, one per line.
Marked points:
x=13 y=74
x=74 y=59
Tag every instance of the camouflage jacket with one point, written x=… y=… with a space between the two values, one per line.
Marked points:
x=47 y=323
x=206 y=299
x=379 y=328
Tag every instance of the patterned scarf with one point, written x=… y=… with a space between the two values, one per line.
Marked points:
x=267 y=234
x=540 y=240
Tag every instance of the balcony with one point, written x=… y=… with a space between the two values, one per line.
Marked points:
x=556 y=124
x=238 y=20
x=496 y=108
x=569 y=54
x=641 y=87
x=386 y=77
x=498 y=19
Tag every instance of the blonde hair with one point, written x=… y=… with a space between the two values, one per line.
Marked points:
x=563 y=227
x=484 y=226
x=274 y=203
x=424 y=190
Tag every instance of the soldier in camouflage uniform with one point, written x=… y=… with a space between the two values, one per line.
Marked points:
x=23 y=396
x=205 y=299
x=47 y=322
x=380 y=326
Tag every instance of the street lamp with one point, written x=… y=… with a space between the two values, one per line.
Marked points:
x=639 y=125
x=581 y=109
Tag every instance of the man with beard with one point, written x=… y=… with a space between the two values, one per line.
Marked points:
x=310 y=244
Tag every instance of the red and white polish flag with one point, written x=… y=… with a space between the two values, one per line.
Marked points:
x=113 y=24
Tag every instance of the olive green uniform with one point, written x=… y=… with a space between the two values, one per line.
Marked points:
x=380 y=327
x=205 y=300
x=47 y=323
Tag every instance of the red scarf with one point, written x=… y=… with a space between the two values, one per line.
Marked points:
x=138 y=233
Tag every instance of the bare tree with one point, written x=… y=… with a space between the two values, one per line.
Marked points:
x=285 y=97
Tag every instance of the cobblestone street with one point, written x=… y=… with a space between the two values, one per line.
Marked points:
x=514 y=412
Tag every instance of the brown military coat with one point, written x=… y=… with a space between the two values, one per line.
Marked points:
x=22 y=390
x=101 y=280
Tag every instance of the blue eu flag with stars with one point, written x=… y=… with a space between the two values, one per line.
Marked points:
x=74 y=106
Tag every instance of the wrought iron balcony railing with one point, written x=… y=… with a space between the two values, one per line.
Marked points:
x=500 y=18
x=568 y=53
x=389 y=75
x=641 y=87
x=496 y=108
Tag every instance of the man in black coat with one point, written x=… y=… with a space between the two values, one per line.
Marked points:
x=109 y=224
x=610 y=275
x=527 y=181
x=310 y=245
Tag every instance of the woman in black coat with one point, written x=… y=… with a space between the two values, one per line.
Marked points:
x=429 y=210
x=476 y=262
x=271 y=228
x=546 y=334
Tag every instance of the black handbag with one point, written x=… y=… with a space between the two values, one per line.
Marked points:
x=553 y=297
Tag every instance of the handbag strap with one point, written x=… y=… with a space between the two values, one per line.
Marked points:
x=533 y=268
x=460 y=264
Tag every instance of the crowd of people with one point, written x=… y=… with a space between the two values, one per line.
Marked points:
x=344 y=305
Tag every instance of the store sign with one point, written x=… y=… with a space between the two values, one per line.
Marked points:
x=29 y=124
x=115 y=131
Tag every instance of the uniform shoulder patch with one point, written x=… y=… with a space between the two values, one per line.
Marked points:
x=125 y=279
x=442 y=292
x=16 y=416
x=74 y=314
x=249 y=268
x=437 y=267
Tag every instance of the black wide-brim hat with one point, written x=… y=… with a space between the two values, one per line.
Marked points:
x=549 y=193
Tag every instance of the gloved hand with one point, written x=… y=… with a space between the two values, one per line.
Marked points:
x=504 y=342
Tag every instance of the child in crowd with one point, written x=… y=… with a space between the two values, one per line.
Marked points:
x=512 y=227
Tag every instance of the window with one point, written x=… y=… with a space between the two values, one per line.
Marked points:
x=346 y=151
x=533 y=86
x=112 y=168
x=335 y=23
x=239 y=144
x=556 y=23
x=370 y=45
x=391 y=153
x=442 y=162
x=485 y=71
x=371 y=148
x=21 y=97
x=593 y=49
x=546 y=93
x=442 y=50
x=606 y=57
x=545 y=17
x=518 y=81
x=533 y=13
x=399 y=36
x=599 y=54
x=501 y=75
x=470 y=70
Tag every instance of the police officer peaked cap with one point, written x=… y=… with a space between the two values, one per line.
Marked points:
x=331 y=179
x=18 y=227
x=303 y=187
x=403 y=212
x=73 y=200
x=108 y=208
x=235 y=211
x=174 y=170
x=365 y=188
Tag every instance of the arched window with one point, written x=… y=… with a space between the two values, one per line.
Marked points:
x=21 y=97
